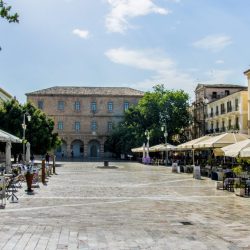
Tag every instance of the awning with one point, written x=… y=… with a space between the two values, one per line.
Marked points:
x=238 y=149
x=161 y=147
x=4 y=137
x=137 y=150
x=189 y=144
x=220 y=141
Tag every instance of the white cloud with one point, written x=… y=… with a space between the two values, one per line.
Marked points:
x=123 y=10
x=164 y=69
x=219 y=61
x=81 y=33
x=213 y=42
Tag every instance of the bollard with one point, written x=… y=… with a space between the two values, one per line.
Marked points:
x=43 y=171
x=54 y=165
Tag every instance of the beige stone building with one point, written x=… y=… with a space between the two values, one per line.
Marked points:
x=204 y=94
x=84 y=116
x=228 y=113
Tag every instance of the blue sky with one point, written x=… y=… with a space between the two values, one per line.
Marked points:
x=129 y=43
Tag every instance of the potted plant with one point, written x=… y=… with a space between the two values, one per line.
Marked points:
x=237 y=170
x=239 y=189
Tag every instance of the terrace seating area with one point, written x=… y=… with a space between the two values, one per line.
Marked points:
x=11 y=183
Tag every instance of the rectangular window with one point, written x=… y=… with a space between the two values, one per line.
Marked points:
x=217 y=110
x=60 y=105
x=229 y=124
x=93 y=106
x=110 y=106
x=40 y=104
x=222 y=108
x=77 y=126
x=229 y=106
x=60 y=125
x=212 y=112
x=237 y=125
x=77 y=106
x=214 y=95
x=236 y=104
x=93 y=126
x=223 y=126
x=212 y=127
x=110 y=126
x=126 y=106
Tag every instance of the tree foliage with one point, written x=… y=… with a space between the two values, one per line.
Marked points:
x=159 y=108
x=5 y=13
x=39 y=131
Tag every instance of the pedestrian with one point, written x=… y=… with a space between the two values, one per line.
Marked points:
x=47 y=158
x=20 y=158
x=15 y=157
x=72 y=154
x=62 y=154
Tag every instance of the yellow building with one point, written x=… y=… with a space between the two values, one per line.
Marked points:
x=4 y=96
x=229 y=113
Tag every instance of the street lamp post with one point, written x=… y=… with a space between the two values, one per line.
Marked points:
x=164 y=129
x=24 y=126
x=147 y=134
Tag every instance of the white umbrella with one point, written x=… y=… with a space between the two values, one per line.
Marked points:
x=236 y=149
x=161 y=147
x=222 y=140
x=147 y=151
x=4 y=137
x=8 y=156
x=245 y=153
x=137 y=150
x=143 y=150
x=190 y=144
x=27 y=152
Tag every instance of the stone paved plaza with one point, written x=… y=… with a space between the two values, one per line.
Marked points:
x=131 y=207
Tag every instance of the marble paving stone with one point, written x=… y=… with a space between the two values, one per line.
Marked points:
x=131 y=207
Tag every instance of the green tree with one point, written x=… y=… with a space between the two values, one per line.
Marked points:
x=39 y=131
x=155 y=109
x=5 y=10
x=5 y=13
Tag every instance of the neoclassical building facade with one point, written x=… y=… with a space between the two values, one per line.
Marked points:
x=84 y=116
x=205 y=94
x=228 y=113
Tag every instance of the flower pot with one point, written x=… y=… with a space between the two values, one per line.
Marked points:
x=239 y=191
x=29 y=178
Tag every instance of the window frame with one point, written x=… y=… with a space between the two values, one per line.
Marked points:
x=77 y=106
x=61 y=105
x=77 y=126
x=60 y=125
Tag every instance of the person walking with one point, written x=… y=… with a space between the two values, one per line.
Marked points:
x=20 y=158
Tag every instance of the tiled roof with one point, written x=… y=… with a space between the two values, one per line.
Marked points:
x=219 y=86
x=88 y=91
